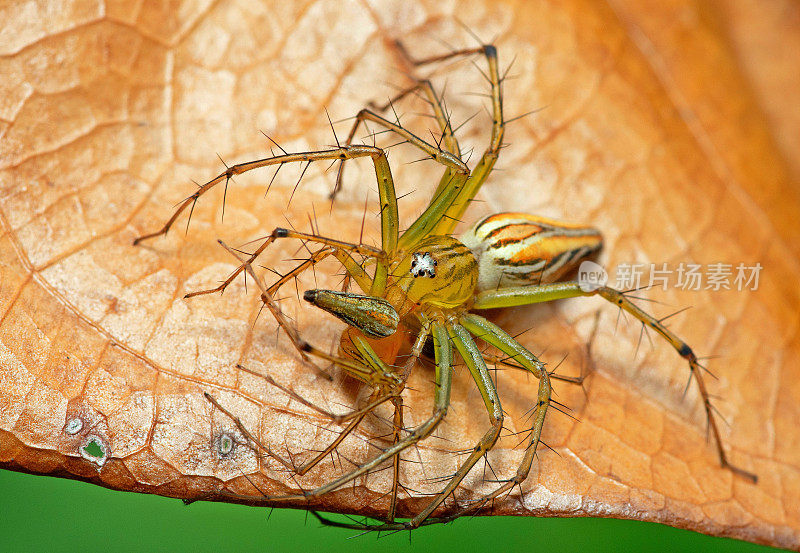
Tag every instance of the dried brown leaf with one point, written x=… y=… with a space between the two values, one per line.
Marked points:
x=649 y=132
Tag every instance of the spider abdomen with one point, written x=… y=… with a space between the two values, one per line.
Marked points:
x=515 y=249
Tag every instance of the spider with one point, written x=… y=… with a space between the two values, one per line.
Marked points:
x=431 y=283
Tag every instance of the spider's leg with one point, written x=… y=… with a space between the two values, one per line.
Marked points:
x=450 y=157
x=397 y=419
x=497 y=337
x=374 y=286
x=524 y=295
x=456 y=191
x=448 y=220
x=345 y=152
x=505 y=362
x=341 y=250
x=434 y=100
x=365 y=365
x=397 y=427
x=483 y=380
x=360 y=249
x=357 y=417
x=442 y=383
x=374 y=372
x=375 y=400
x=315 y=258
x=353 y=418
x=386 y=191
x=245 y=432
x=439 y=113
x=448 y=137
x=354 y=270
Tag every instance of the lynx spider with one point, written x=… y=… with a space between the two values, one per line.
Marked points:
x=425 y=280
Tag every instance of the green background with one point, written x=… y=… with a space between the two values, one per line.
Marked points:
x=51 y=514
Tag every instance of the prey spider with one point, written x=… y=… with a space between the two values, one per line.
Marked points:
x=425 y=280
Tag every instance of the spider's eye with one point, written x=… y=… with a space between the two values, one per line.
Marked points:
x=423 y=263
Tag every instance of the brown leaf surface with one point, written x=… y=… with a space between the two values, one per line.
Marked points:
x=650 y=132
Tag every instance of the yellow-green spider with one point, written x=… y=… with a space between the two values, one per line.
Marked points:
x=432 y=283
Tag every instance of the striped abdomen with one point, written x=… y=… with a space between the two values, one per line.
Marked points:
x=514 y=249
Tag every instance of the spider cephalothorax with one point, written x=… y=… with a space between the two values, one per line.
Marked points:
x=440 y=273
